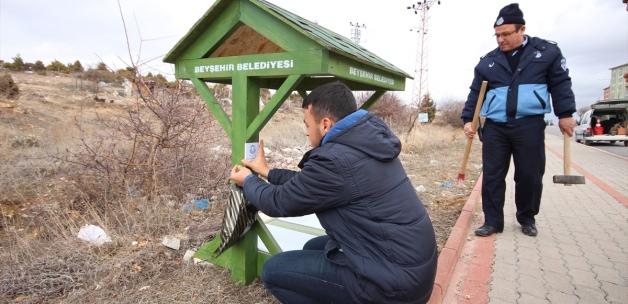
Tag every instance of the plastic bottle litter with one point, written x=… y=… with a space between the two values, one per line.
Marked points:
x=198 y=204
x=93 y=234
x=446 y=184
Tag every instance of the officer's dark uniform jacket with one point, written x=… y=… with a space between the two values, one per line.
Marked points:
x=358 y=189
x=526 y=91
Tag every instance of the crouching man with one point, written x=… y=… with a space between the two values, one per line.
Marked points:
x=380 y=245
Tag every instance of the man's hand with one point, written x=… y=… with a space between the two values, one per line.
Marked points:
x=567 y=125
x=468 y=130
x=259 y=164
x=238 y=174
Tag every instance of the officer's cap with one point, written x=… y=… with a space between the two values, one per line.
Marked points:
x=510 y=14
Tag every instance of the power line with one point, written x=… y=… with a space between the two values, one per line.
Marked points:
x=420 y=86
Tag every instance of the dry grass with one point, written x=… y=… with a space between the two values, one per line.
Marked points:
x=47 y=263
x=429 y=137
x=45 y=200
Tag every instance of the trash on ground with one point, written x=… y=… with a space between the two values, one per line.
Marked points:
x=196 y=204
x=446 y=184
x=94 y=235
x=189 y=254
x=171 y=242
x=200 y=262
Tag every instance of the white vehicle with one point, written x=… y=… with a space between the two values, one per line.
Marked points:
x=612 y=116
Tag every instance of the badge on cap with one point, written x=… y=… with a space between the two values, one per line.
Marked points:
x=499 y=21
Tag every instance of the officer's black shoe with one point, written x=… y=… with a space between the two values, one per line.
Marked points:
x=487 y=230
x=529 y=230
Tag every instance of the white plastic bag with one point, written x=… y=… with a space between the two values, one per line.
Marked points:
x=94 y=235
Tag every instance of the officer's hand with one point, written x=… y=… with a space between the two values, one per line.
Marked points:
x=238 y=174
x=468 y=130
x=567 y=125
x=259 y=164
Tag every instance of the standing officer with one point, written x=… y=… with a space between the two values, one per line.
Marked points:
x=521 y=73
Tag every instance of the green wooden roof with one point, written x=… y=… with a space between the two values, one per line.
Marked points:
x=330 y=40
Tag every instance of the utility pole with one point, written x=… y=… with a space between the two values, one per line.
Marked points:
x=420 y=85
x=356 y=31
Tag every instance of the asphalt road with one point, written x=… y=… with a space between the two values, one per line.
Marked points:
x=616 y=148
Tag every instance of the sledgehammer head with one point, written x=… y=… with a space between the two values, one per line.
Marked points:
x=568 y=179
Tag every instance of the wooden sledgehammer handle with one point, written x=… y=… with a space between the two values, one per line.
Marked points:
x=474 y=125
x=567 y=179
x=567 y=154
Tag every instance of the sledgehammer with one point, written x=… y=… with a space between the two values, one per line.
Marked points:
x=567 y=179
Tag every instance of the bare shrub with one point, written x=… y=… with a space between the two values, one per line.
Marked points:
x=449 y=113
x=389 y=108
x=24 y=141
x=159 y=146
x=8 y=87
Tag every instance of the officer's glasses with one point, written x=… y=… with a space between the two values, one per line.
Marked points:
x=504 y=34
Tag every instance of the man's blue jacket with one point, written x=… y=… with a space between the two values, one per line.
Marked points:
x=525 y=91
x=358 y=189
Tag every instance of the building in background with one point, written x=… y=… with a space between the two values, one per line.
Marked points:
x=606 y=93
x=618 y=88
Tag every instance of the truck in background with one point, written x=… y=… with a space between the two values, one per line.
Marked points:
x=607 y=121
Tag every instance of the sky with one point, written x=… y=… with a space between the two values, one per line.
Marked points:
x=592 y=34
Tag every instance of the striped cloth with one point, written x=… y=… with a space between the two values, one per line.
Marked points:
x=236 y=220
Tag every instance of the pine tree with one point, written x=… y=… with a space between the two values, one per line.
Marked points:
x=428 y=106
x=18 y=63
x=76 y=67
x=102 y=67
x=39 y=66
x=57 y=66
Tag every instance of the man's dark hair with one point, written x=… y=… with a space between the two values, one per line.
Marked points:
x=334 y=100
x=518 y=27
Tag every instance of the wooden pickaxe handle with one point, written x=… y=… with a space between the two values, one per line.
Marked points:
x=474 y=125
x=566 y=154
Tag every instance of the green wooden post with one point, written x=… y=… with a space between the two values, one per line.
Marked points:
x=213 y=105
x=245 y=109
x=369 y=102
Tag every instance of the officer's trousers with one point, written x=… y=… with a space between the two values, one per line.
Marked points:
x=523 y=139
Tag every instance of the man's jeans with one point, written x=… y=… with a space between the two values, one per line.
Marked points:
x=305 y=276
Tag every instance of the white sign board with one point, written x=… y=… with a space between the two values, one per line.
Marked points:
x=423 y=118
x=291 y=233
x=250 y=150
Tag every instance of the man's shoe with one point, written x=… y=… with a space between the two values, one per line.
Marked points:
x=529 y=230
x=487 y=230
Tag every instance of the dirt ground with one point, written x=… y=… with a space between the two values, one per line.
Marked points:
x=42 y=261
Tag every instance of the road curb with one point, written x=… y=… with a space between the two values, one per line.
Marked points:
x=450 y=253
